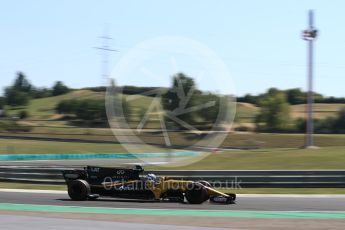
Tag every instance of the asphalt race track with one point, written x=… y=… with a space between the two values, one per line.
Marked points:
x=33 y=223
x=255 y=203
x=37 y=209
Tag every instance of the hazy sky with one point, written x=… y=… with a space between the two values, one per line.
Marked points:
x=259 y=41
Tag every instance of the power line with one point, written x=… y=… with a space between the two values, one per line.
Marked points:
x=106 y=49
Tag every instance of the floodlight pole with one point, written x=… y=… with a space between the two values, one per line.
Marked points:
x=309 y=35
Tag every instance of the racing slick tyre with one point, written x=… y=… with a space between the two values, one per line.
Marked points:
x=232 y=195
x=79 y=190
x=174 y=195
x=196 y=194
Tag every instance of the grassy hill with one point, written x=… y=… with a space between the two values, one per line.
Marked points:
x=276 y=151
x=321 y=111
x=44 y=108
x=46 y=123
x=246 y=112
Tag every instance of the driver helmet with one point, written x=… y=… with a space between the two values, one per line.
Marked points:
x=151 y=177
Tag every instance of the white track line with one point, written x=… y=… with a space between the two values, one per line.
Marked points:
x=202 y=210
x=238 y=195
x=293 y=195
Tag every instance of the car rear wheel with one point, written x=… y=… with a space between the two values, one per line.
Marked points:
x=196 y=194
x=174 y=195
x=79 y=190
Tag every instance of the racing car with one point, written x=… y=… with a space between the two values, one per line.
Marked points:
x=92 y=182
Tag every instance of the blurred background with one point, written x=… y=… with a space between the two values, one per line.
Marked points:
x=53 y=86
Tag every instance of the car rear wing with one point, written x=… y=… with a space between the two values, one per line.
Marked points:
x=97 y=175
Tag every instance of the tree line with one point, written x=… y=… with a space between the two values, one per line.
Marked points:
x=22 y=91
x=94 y=109
x=293 y=96
x=274 y=116
x=274 y=105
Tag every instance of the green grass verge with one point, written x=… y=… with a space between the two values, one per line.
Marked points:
x=276 y=140
x=18 y=146
x=274 y=158
x=10 y=146
x=279 y=159
x=31 y=186
x=244 y=140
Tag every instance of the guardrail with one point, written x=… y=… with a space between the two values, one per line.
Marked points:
x=220 y=178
